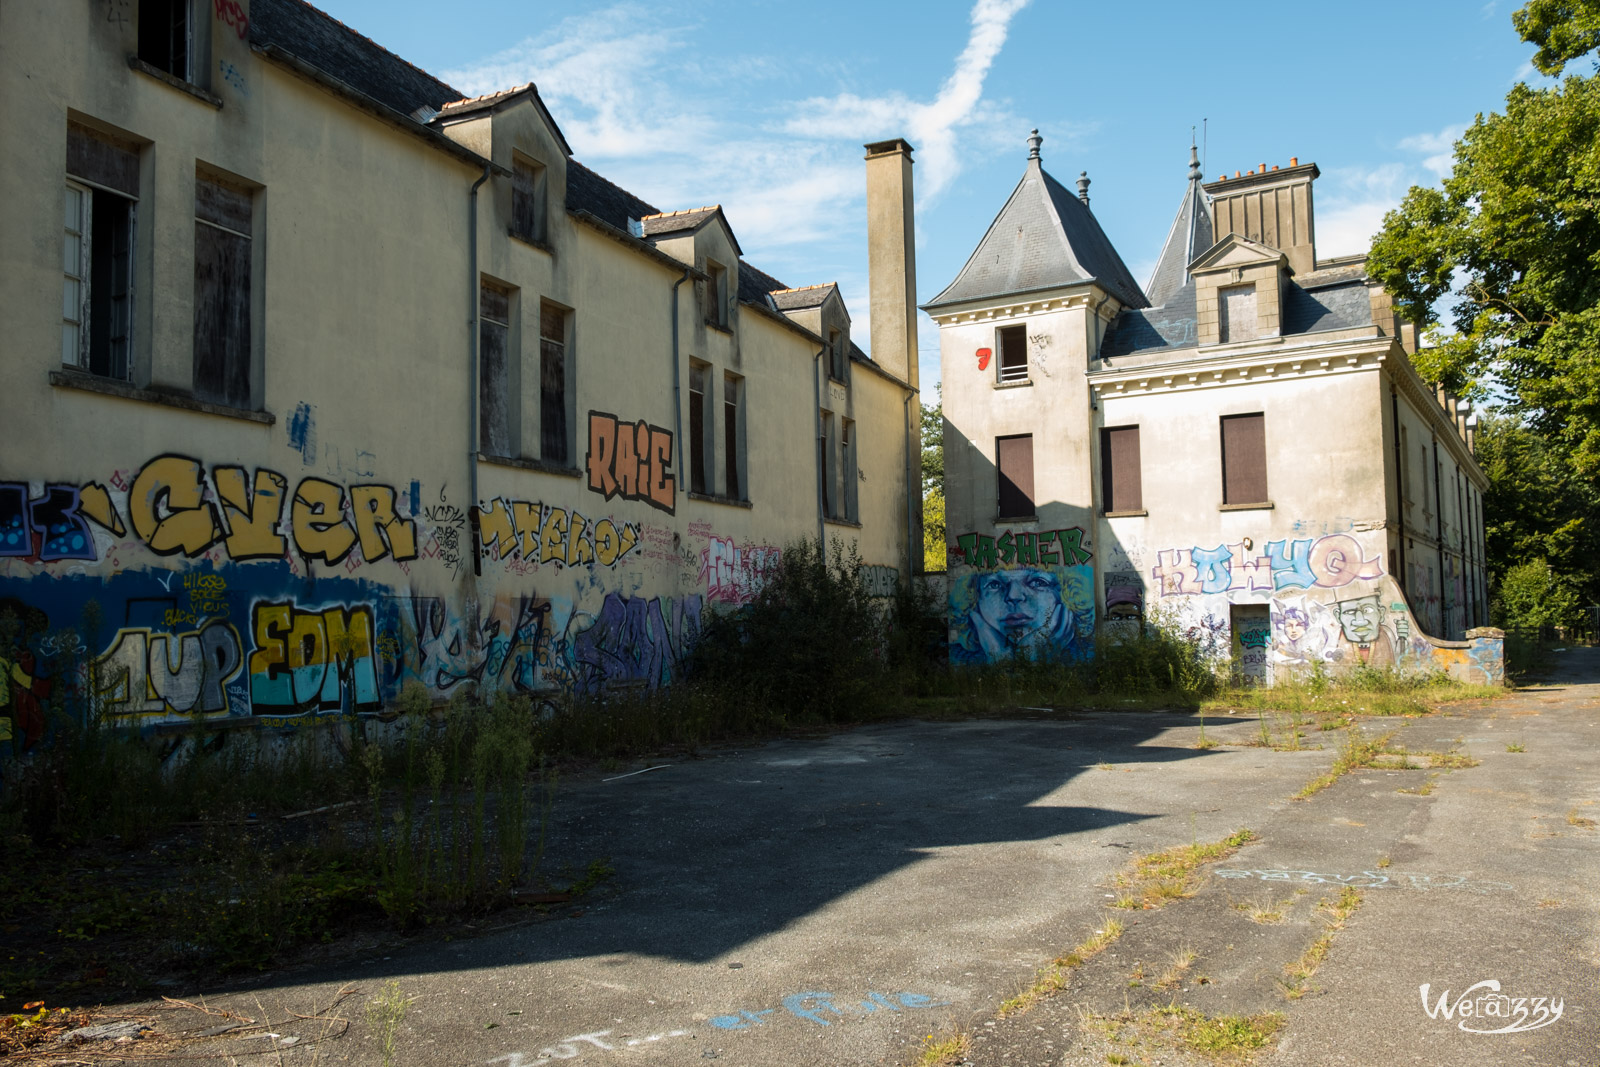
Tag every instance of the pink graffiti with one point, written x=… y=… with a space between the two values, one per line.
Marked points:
x=734 y=574
x=233 y=15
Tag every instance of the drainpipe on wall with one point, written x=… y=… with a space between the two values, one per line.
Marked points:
x=472 y=366
x=1399 y=484
x=677 y=392
x=912 y=480
x=1438 y=512
x=816 y=414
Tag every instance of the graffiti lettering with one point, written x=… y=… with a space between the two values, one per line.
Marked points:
x=1330 y=562
x=543 y=533
x=631 y=460
x=307 y=661
x=880 y=580
x=733 y=574
x=233 y=15
x=1024 y=549
x=635 y=640
x=148 y=673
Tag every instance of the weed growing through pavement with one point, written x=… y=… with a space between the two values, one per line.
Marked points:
x=1054 y=977
x=1358 y=751
x=944 y=1051
x=1516 y=746
x=1152 y=880
x=385 y=1013
x=1582 y=822
x=1172 y=977
x=1225 y=1038
x=1300 y=971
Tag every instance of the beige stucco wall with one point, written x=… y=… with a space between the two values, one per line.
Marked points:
x=338 y=561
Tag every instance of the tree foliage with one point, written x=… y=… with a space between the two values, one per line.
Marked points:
x=933 y=527
x=1513 y=237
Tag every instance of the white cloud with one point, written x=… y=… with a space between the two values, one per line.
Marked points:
x=1440 y=148
x=1352 y=201
x=637 y=101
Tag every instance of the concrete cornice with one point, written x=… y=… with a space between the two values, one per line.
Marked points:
x=1255 y=363
x=1405 y=378
x=1021 y=305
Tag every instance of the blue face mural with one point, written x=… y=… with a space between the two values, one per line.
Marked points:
x=1037 y=612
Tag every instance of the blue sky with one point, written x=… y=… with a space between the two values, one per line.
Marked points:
x=763 y=107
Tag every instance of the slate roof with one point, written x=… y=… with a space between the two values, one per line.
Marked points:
x=605 y=200
x=1044 y=237
x=360 y=62
x=1190 y=235
x=807 y=296
x=1337 y=304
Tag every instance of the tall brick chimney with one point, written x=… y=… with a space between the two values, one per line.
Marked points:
x=892 y=259
x=1272 y=207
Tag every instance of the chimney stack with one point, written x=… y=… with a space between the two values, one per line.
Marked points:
x=892 y=259
x=1272 y=207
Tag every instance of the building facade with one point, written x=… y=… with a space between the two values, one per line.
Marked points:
x=321 y=378
x=1240 y=449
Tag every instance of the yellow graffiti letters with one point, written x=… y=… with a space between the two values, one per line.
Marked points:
x=320 y=529
x=579 y=548
x=95 y=502
x=553 y=537
x=380 y=530
x=167 y=506
x=252 y=517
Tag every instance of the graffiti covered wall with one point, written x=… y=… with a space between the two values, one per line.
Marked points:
x=1027 y=594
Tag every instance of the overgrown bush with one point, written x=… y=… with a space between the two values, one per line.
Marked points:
x=1533 y=596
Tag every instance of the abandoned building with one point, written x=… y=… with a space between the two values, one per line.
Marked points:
x=322 y=378
x=1241 y=448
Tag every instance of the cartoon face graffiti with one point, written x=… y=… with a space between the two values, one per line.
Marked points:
x=1035 y=611
x=1294 y=625
x=1361 y=619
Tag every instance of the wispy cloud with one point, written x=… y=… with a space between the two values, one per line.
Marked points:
x=1352 y=201
x=635 y=99
x=1439 y=148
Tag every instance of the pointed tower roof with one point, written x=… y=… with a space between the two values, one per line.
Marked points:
x=1190 y=236
x=1045 y=237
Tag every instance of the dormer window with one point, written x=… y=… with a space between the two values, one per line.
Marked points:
x=1236 y=313
x=836 y=355
x=716 y=293
x=528 y=181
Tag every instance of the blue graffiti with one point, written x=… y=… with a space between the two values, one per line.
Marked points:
x=1212 y=566
x=813 y=1006
x=1291 y=564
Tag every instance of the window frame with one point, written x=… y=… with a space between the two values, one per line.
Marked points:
x=146 y=16
x=1029 y=495
x=555 y=352
x=849 y=496
x=529 y=200
x=700 y=429
x=247 y=323
x=1226 y=330
x=734 y=462
x=1112 y=501
x=716 y=294
x=503 y=330
x=1015 y=372
x=1241 y=460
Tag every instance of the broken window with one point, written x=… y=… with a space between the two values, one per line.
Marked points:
x=1119 y=469
x=222 y=254
x=697 y=428
x=1013 y=344
x=494 y=362
x=165 y=36
x=553 y=384
x=1244 y=459
x=527 y=200
x=97 y=264
x=732 y=434
x=1014 y=461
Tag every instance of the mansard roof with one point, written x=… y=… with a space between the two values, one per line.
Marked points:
x=1189 y=237
x=1043 y=238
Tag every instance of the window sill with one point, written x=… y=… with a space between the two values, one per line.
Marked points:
x=713 y=498
x=89 y=383
x=531 y=242
x=174 y=82
x=1013 y=519
x=1137 y=513
x=720 y=327
x=523 y=463
x=1023 y=384
x=843 y=522
x=1265 y=505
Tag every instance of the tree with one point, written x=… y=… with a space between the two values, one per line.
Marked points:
x=933 y=527
x=1533 y=595
x=1514 y=238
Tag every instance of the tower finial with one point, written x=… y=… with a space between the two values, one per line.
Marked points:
x=1034 y=141
x=1194 y=159
x=1083 y=187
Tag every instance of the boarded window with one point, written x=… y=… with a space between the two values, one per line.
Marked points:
x=1119 y=469
x=1244 y=459
x=836 y=355
x=733 y=454
x=830 y=472
x=101 y=160
x=697 y=427
x=1236 y=311
x=494 y=362
x=1014 y=460
x=716 y=293
x=553 y=384
x=164 y=35
x=1013 y=343
x=222 y=254
x=527 y=199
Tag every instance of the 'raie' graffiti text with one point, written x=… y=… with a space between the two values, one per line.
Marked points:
x=631 y=460
x=1024 y=549
x=1330 y=562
